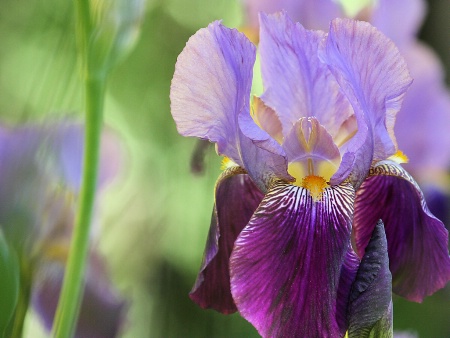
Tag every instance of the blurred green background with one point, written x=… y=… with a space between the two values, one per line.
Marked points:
x=155 y=217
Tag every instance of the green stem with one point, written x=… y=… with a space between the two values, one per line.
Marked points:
x=70 y=298
x=72 y=290
x=23 y=301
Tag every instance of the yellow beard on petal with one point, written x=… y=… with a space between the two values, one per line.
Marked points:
x=316 y=186
x=399 y=157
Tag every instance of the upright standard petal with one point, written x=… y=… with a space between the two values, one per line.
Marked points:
x=237 y=198
x=286 y=263
x=294 y=78
x=210 y=99
x=374 y=77
x=211 y=86
x=370 y=302
x=417 y=241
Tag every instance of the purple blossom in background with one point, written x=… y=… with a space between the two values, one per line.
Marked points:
x=308 y=161
x=41 y=173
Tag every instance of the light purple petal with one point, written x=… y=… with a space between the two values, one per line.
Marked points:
x=313 y=14
x=210 y=96
x=374 y=77
x=417 y=241
x=308 y=140
x=211 y=86
x=237 y=198
x=370 y=305
x=297 y=83
x=386 y=16
x=102 y=311
x=286 y=263
x=422 y=123
x=65 y=141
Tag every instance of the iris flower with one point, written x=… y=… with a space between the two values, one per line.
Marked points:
x=40 y=178
x=306 y=163
x=422 y=123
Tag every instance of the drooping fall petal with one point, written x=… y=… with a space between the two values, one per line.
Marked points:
x=237 y=198
x=417 y=241
x=286 y=264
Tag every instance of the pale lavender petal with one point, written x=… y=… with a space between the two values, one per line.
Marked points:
x=102 y=310
x=286 y=264
x=267 y=119
x=313 y=14
x=386 y=14
x=417 y=241
x=422 y=123
x=295 y=79
x=308 y=140
x=374 y=77
x=210 y=96
x=370 y=303
x=237 y=198
x=211 y=86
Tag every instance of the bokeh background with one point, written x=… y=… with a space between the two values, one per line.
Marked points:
x=155 y=217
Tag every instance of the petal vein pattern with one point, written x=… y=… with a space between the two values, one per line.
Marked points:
x=417 y=241
x=210 y=99
x=286 y=263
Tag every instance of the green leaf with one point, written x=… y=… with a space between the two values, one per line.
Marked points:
x=9 y=283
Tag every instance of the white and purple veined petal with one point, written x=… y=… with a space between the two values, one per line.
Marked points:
x=210 y=99
x=417 y=241
x=287 y=262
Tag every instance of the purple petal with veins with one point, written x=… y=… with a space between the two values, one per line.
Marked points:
x=417 y=241
x=374 y=77
x=286 y=263
x=210 y=96
x=295 y=80
x=237 y=198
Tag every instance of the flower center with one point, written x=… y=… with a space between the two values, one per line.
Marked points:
x=316 y=186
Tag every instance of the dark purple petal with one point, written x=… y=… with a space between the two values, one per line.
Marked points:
x=348 y=273
x=286 y=263
x=417 y=241
x=237 y=198
x=370 y=303
x=374 y=77
x=210 y=99
x=295 y=79
x=438 y=202
x=102 y=311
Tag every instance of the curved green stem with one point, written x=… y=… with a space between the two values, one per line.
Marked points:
x=72 y=289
